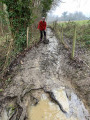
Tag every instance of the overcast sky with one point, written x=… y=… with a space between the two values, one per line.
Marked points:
x=72 y=6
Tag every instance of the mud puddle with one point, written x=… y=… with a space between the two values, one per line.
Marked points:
x=57 y=104
x=48 y=109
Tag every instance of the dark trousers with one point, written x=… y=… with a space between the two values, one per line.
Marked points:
x=41 y=34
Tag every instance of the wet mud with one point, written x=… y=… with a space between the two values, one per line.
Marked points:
x=27 y=97
x=48 y=109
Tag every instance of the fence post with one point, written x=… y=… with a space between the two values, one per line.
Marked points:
x=27 y=35
x=74 y=43
x=62 y=35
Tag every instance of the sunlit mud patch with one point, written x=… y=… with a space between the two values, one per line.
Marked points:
x=4 y=116
x=60 y=95
x=45 y=104
x=47 y=109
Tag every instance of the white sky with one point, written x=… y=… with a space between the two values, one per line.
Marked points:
x=72 y=6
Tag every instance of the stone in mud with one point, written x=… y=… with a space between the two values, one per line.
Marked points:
x=48 y=109
x=61 y=97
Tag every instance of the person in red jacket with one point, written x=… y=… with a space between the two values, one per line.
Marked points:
x=42 y=27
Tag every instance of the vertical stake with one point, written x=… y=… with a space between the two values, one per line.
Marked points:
x=62 y=35
x=27 y=35
x=74 y=42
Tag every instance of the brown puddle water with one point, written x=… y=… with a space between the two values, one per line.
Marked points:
x=47 y=110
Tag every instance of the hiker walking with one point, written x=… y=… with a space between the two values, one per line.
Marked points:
x=42 y=27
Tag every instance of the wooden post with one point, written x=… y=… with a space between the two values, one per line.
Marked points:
x=74 y=43
x=27 y=35
x=62 y=35
x=2 y=30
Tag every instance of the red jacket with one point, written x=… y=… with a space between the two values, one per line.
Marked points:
x=42 y=25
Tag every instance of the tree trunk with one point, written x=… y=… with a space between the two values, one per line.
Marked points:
x=2 y=20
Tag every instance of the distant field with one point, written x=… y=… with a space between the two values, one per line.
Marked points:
x=81 y=22
x=82 y=31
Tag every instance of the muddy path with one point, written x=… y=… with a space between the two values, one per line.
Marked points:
x=41 y=74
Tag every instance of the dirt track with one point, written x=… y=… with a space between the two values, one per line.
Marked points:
x=43 y=67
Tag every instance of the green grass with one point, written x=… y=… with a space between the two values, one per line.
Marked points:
x=82 y=30
x=82 y=22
